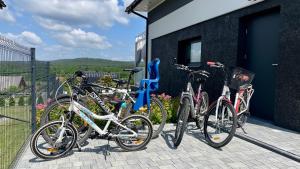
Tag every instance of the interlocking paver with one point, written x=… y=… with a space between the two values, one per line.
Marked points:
x=192 y=153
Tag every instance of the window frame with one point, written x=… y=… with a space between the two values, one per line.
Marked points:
x=184 y=52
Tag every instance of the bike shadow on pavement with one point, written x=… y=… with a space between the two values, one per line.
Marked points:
x=168 y=136
x=39 y=160
x=194 y=131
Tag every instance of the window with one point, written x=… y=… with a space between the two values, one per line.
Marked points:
x=190 y=52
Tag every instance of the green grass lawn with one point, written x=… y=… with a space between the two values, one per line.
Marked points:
x=13 y=133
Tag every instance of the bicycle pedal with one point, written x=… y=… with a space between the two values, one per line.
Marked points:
x=94 y=135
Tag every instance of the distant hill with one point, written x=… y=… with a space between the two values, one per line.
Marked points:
x=69 y=66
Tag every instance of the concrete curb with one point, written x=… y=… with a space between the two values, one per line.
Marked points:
x=267 y=146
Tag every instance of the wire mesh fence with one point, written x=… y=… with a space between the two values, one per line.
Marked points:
x=15 y=99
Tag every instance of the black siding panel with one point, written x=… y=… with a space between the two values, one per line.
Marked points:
x=220 y=41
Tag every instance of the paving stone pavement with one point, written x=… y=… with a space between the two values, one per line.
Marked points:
x=279 y=137
x=192 y=153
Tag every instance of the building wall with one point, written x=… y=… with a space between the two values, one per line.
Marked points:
x=220 y=41
x=189 y=13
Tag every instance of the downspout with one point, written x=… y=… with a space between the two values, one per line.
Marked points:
x=147 y=36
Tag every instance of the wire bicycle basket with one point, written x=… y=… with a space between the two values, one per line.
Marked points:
x=240 y=77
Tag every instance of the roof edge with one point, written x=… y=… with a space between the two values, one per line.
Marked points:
x=130 y=8
x=2 y=4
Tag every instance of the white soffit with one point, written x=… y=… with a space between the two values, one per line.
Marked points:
x=147 y=5
x=195 y=12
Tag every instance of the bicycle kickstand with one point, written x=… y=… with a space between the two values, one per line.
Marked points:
x=106 y=152
x=78 y=146
x=244 y=130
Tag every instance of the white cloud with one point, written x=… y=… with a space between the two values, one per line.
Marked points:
x=6 y=15
x=53 y=25
x=103 y=13
x=81 y=39
x=26 y=38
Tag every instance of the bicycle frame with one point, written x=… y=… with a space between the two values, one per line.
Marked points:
x=225 y=96
x=239 y=99
x=83 y=112
x=97 y=99
x=192 y=97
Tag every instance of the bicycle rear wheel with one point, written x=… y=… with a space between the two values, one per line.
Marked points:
x=60 y=107
x=220 y=126
x=53 y=148
x=182 y=119
x=139 y=124
x=157 y=115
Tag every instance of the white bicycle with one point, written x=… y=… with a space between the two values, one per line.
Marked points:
x=132 y=133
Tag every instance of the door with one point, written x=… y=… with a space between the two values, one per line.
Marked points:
x=261 y=57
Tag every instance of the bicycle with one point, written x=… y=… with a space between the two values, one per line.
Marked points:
x=221 y=119
x=191 y=104
x=241 y=81
x=124 y=104
x=132 y=133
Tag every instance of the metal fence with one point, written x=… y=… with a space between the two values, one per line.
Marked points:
x=24 y=82
x=15 y=98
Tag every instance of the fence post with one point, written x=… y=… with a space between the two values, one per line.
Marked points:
x=48 y=79
x=33 y=90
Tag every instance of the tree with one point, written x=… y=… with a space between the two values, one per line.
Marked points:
x=12 y=101
x=2 y=102
x=21 y=101
x=13 y=89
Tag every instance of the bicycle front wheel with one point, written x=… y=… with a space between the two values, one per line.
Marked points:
x=220 y=124
x=54 y=147
x=182 y=119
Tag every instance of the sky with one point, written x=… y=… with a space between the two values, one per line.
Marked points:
x=64 y=29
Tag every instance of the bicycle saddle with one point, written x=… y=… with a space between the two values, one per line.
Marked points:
x=245 y=86
x=135 y=70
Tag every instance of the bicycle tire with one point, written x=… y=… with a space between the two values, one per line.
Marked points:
x=233 y=128
x=204 y=102
x=147 y=140
x=182 y=120
x=48 y=110
x=34 y=139
x=163 y=116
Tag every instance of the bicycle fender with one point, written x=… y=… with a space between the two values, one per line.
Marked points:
x=188 y=96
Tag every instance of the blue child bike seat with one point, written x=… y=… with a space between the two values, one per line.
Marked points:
x=147 y=85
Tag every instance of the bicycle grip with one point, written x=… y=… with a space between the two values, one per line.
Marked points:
x=209 y=63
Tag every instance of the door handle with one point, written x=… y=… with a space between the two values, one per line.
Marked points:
x=275 y=64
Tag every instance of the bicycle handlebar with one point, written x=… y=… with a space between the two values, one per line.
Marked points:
x=215 y=64
x=186 y=68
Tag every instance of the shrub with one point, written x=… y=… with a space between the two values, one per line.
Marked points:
x=107 y=80
x=2 y=102
x=40 y=100
x=40 y=108
x=12 y=101
x=29 y=101
x=170 y=105
x=21 y=101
